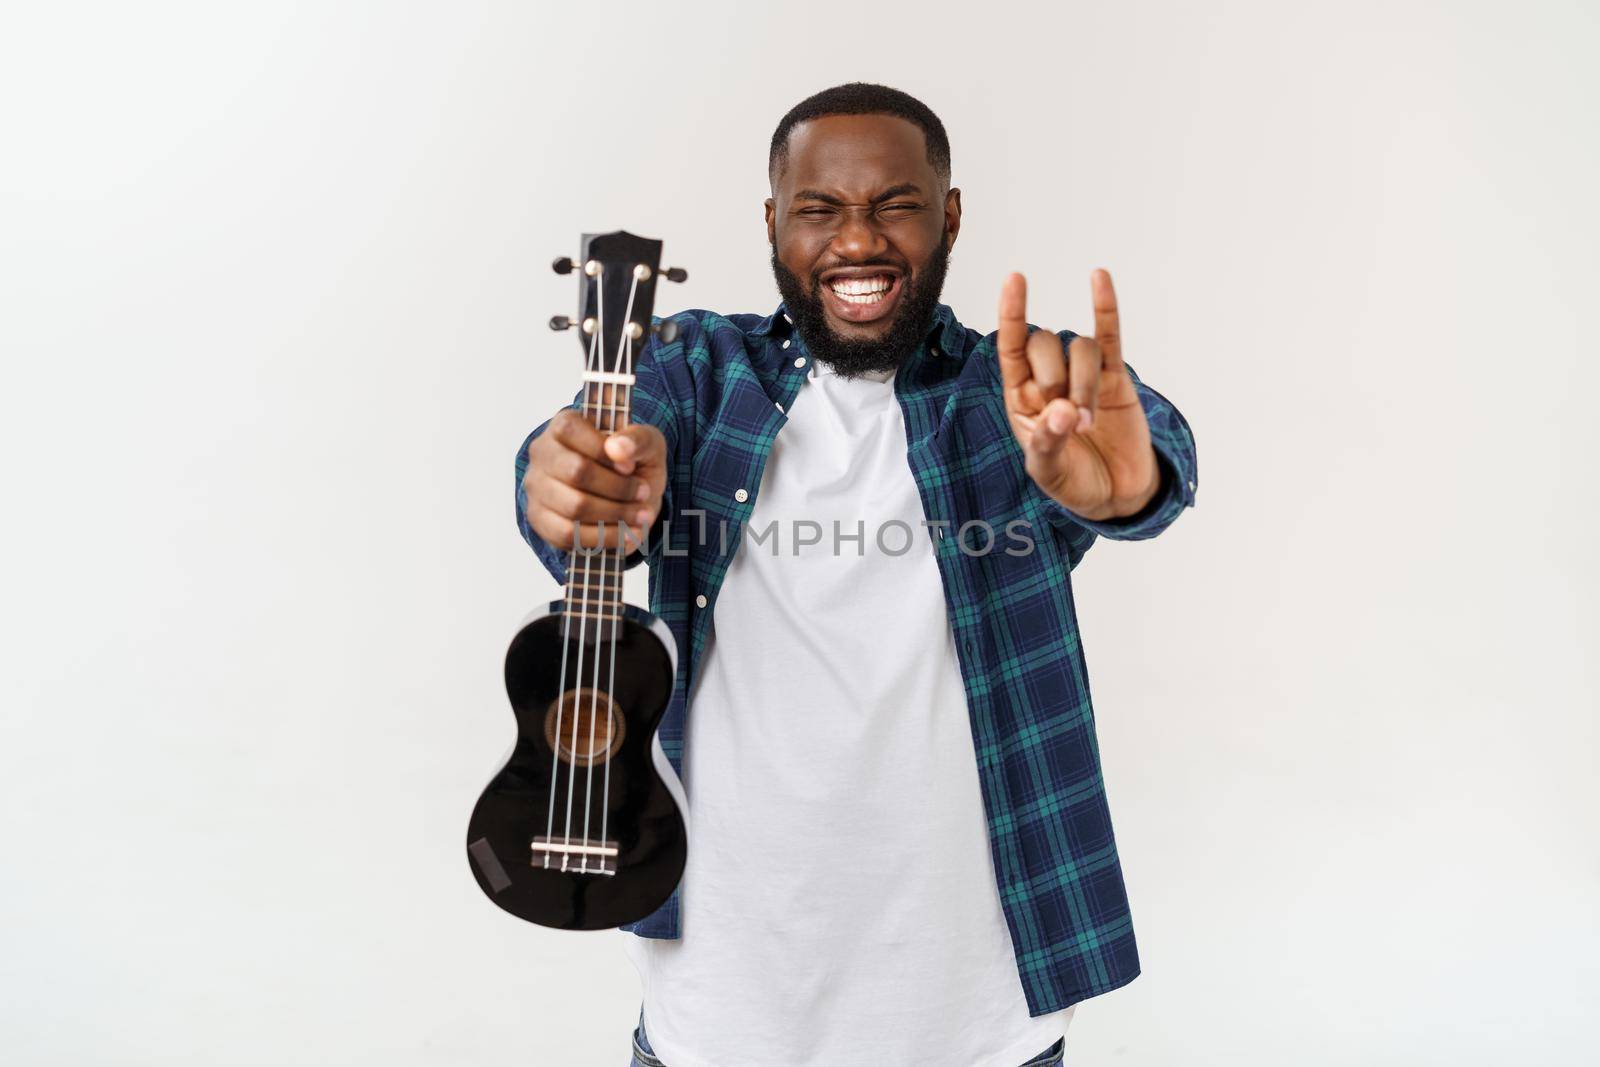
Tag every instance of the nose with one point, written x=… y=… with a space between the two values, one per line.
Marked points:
x=858 y=239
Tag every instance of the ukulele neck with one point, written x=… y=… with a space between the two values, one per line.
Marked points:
x=617 y=274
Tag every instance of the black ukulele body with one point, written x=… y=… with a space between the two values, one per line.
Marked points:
x=573 y=832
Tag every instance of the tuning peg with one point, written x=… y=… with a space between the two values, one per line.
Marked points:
x=562 y=265
x=667 y=331
x=675 y=274
x=560 y=322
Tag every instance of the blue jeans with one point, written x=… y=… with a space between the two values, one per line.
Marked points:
x=644 y=1055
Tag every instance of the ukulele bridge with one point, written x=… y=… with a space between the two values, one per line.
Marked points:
x=575 y=857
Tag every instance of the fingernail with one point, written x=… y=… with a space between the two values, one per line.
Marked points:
x=1058 y=420
x=1085 y=418
x=642 y=519
x=643 y=492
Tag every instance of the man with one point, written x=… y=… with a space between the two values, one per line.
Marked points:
x=901 y=848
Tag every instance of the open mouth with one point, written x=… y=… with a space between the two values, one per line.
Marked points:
x=861 y=297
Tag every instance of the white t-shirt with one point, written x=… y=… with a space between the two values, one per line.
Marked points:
x=839 y=904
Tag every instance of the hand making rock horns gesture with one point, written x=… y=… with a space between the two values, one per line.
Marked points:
x=1076 y=414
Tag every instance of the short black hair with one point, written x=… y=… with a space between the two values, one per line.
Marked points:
x=863 y=98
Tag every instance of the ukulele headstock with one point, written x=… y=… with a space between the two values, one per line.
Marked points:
x=617 y=274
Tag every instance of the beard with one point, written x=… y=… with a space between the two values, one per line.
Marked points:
x=849 y=356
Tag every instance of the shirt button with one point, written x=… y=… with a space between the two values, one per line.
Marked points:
x=801 y=362
x=779 y=406
x=741 y=496
x=700 y=601
x=1191 y=487
x=786 y=344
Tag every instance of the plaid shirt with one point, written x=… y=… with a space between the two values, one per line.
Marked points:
x=718 y=394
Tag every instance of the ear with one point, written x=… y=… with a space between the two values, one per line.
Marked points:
x=952 y=216
x=771 y=210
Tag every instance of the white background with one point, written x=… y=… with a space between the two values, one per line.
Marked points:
x=273 y=287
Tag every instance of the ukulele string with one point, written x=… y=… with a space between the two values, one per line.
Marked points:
x=566 y=645
x=612 y=555
x=561 y=702
x=611 y=687
x=583 y=623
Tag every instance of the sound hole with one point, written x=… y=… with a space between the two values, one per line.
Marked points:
x=584 y=717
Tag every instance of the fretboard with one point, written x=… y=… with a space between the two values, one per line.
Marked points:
x=594 y=576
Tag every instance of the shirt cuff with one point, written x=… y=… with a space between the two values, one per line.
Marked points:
x=1159 y=513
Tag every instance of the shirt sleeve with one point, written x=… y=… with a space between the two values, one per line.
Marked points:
x=651 y=402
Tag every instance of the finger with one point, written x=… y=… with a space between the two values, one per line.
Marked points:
x=577 y=433
x=1011 y=342
x=1107 y=327
x=638 y=444
x=579 y=506
x=1047 y=365
x=1084 y=358
x=580 y=472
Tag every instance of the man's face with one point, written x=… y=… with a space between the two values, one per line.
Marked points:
x=861 y=228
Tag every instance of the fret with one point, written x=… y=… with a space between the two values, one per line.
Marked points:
x=593 y=594
x=594 y=601
x=596 y=566
x=615 y=396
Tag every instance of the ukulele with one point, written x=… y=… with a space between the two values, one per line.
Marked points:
x=583 y=828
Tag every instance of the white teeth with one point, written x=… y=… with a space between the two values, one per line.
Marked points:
x=862 y=290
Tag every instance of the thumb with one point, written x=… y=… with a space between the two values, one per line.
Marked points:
x=635 y=445
x=1052 y=429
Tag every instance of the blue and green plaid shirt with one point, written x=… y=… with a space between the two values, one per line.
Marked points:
x=718 y=394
